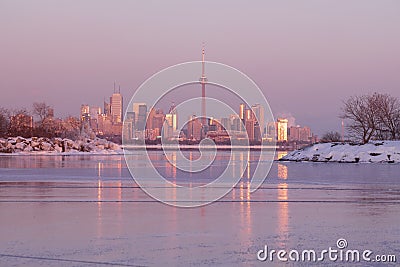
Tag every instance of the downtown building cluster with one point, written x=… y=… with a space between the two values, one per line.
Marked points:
x=152 y=125
x=106 y=122
x=293 y=133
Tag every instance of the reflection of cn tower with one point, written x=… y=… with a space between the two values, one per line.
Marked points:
x=203 y=81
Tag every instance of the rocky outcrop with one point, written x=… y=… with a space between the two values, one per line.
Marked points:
x=55 y=145
x=382 y=151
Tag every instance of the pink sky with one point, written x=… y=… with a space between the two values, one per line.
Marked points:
x=306 y=56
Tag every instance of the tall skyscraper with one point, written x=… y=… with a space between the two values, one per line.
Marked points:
x=249 y=124
x=242 y=111
x=174 y=117
x=281 y=127
x=258 y=111
x=141 y=118
x=249 y=115
x=158 y=119
x=106 y=108
x=150 y=118
x=136 y=110
x=168 y=125
x=116 y=107
x=194 y=128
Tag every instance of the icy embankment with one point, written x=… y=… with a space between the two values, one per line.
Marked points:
x=41 y=145
x=378 y=151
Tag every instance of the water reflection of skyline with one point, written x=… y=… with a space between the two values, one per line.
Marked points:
x=235 y=164
x=283 y=205
x=240 y=165
x=106 y=191
x=109 y=192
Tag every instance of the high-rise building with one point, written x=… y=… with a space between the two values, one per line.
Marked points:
x=129 y=125
x=141 y=118
x=136 y=110
x=305 y=134
x=85 y=109
x=106 y=109
x=174 y=117
x=158 y=120
x=85 y=113
x=116 y=107
x=257 y=132
x=302 y=134
x=150 y=117
x=168 y=125
x=249 y=115
x=281 y=127
x=249 y=124
x=242 y=111
x=258 y=111
x=194 y=128
x=236 y=122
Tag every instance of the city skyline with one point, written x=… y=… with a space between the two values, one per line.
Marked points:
x=150 y=123
x=303 y=68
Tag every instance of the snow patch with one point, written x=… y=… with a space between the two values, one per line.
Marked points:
x=382 y=151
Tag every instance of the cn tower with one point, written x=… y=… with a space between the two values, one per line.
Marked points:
x=203 y=81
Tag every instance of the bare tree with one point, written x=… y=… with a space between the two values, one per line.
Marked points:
x=45 y=126
x=373 y=116
x=388 y=116
x=42 y=111
x=360 y=111
x=4 y=122
x=331 y=137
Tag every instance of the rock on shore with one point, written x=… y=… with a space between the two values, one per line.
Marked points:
x=56 y=145
x=378 y=151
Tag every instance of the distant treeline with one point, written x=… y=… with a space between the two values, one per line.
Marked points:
x=39 y=121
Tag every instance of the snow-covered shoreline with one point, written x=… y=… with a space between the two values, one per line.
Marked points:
x=378 y=151
x=56 y=146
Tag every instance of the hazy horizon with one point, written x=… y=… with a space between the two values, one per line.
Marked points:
x=305 y=56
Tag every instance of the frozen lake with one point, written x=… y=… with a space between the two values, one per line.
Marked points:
x=86 y=210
